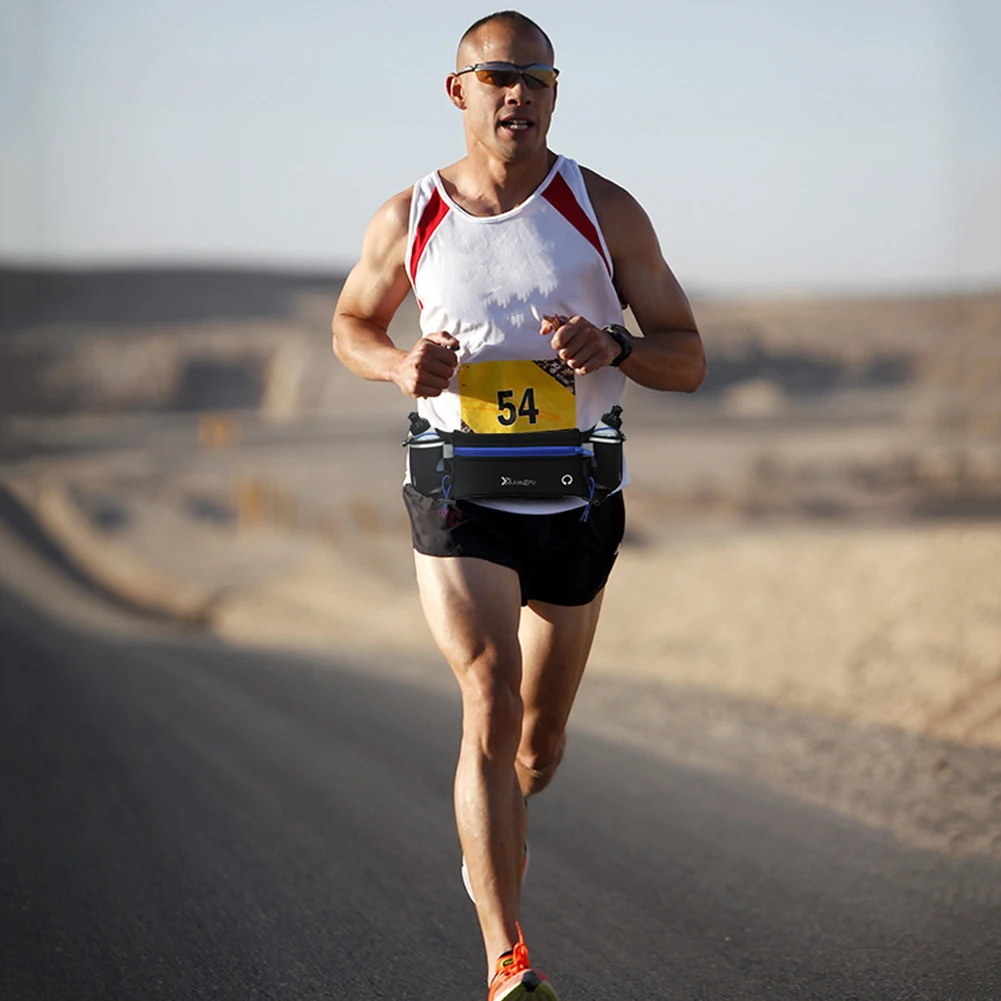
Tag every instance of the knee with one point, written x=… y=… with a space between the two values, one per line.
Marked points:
x=492 y=710
x=538 y=763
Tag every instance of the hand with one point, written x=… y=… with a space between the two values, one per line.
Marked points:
x=579 y=343
x=427 y=369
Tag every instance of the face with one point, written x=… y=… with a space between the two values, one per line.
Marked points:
x=510 y=123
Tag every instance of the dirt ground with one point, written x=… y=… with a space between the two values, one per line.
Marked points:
x=810 y=589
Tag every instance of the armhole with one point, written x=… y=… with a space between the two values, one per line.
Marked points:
x=427 y=211
x=417 y=199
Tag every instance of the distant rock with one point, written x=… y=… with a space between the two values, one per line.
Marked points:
x=755 y=398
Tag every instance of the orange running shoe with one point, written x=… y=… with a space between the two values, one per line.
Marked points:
x=514 y=978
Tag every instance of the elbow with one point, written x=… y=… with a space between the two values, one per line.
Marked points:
x=698 y=375
x=334 y=343
x=697 y=368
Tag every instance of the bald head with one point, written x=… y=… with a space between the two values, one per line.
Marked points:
x=517 y=24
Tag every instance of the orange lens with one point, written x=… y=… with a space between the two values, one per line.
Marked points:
x=498 y=78
x=538 y=77
x=535 y=77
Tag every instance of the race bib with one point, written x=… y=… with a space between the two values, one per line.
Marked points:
x=517 y=396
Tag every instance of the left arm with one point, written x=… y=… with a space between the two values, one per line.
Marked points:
x=669 y=355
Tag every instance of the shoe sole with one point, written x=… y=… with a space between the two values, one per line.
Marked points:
x=544 y=992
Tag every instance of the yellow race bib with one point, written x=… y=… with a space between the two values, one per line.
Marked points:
x=510 y=396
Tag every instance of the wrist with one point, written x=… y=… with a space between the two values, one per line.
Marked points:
x=391 y=366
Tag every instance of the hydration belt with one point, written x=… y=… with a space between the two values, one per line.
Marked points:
x=455 y=465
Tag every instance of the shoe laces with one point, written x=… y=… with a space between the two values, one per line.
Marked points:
x=517 y=961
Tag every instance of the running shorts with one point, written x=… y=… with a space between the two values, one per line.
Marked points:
x=558 y=558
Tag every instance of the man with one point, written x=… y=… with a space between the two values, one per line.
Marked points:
x=518 y=257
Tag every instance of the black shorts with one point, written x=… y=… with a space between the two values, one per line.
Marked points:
x=559 y=558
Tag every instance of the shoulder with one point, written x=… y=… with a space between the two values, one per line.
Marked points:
x=612 y=203
x=602 y=190
x=621 y=216
x=386 y=236
x=393 y=216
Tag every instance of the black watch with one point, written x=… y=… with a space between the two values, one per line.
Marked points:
x=623 y=338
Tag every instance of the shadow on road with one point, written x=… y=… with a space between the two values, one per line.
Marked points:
x=25 y=526
x=183 y=819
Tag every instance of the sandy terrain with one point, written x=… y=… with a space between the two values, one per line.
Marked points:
x=809 y=594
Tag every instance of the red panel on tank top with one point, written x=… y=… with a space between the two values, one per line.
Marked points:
x=559 y=195
x=431 y=217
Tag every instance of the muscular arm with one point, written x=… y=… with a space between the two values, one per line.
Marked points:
x=669 y=356
x=371 y=295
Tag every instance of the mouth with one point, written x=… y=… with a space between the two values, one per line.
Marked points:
x=516 y=126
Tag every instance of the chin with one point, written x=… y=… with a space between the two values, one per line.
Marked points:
x=515 y=155
x=518 y=152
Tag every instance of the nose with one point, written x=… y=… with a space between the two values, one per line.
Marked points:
x=519 y=92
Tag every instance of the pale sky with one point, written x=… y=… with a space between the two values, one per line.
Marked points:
x=777 y=144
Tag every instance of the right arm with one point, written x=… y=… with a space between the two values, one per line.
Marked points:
x=372 y=293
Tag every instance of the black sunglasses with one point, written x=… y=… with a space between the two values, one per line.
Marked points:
x=537 y=76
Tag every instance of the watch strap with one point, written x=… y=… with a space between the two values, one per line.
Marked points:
x=624 y=339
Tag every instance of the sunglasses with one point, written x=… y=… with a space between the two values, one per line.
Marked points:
x=537 y=76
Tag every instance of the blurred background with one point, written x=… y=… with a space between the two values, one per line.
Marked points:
x=809 y=593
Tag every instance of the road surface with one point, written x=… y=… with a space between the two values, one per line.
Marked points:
x=184 y=820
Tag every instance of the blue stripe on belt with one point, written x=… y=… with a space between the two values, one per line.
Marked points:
x=528 y=452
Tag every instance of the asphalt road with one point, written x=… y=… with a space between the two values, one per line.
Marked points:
x=182 y=820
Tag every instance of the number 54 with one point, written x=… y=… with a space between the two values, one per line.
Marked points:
x=508 y=413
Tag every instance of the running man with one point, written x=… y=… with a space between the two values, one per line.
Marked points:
x=521 y=262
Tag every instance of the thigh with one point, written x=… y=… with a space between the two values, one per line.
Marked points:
x=467 y=530
x=555 y=644
x=472 y=607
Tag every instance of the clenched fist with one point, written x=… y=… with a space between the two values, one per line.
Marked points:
x=428 y=368
x=579 y=343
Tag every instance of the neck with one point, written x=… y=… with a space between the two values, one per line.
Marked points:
x=485 y=186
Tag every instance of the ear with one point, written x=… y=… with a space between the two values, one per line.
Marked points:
x=453 y=87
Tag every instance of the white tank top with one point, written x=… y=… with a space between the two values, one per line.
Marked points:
x=488 y=281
